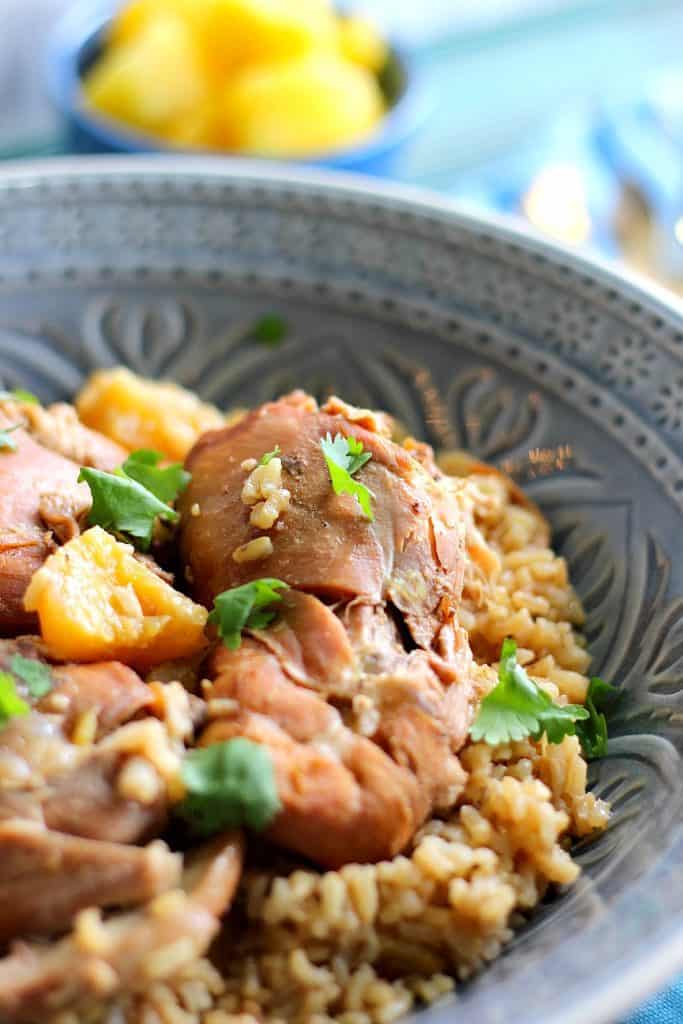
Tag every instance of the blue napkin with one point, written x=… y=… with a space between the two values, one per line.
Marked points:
x=641 y=137
x=667 y=1008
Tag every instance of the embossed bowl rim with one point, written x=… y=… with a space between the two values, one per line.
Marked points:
x=654 y=966
x=411 y=197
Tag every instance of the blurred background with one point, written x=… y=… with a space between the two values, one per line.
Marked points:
x=568 y=113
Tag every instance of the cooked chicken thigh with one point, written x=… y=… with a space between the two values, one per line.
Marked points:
x=361 y=689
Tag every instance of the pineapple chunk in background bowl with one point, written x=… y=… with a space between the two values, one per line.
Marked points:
x=257 y=78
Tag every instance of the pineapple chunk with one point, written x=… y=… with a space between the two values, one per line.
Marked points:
x=269 y=77
x=199 y=130
x=361 y=43
x=247 y=32
x=141 y=413
x=303 y=108
x=96 y=602
x=231 y=33
x=136 y=16
x=153 y=80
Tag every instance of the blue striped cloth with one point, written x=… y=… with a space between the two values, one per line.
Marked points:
x=665 y=1009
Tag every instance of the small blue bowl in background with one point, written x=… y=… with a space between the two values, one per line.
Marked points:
x=76 y=42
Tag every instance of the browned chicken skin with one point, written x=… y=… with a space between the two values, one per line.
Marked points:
x=411 y=554
x=64 y=821
x=361 y=688
x=25 y=539
x=114 y=692
x=40 y=499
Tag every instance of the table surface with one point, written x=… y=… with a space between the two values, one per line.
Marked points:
x=496 y=90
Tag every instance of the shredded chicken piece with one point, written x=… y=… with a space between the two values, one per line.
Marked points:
x=25 y=475
x=126 y=951
x=377 y=422
x=58 y=428
x=48 y=876
x=65 y=513
x=78 y=769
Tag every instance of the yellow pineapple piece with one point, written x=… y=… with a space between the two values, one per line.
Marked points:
x=232 y=33
x=130 y=20
x=141 y=413
x=238 y=33
x=151 y=81
x=200 y=129
x=96 y=602
x=135 y=17
x=361 y=43
x=270 y=77
x=301 y=108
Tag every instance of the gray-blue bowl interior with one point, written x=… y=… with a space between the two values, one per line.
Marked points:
x=477 y=336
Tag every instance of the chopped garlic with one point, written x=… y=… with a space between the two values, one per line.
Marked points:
x=90 y=935
x=138 y=780
x=85 y=729
x=172 y=705
x=167 y=960
x=264 y=494
x=262 y=481
x=57 y=703
x=261 y=547
x=222 y=707
x=366 y=713
x=264 y=491
x=101 y=977
x=149 y=739
x=266 y=513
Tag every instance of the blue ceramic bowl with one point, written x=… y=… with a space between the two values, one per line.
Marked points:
x=476 y=336
x=75 y=44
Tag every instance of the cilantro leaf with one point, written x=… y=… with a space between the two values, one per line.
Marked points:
x=269 y=330
x=269 y=456
x=357 y=457
x=245 y=607
x=11 y=703
x=165 y=482
x=517 y=707
x=122 y=505
x=6 y=442
x=593 y=732
x=228 y=785
x=19 y=395
x=34 y=673
x=344 y=457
